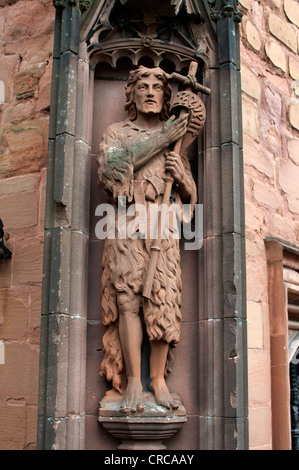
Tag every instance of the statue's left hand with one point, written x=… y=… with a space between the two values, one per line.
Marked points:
x=173 y=164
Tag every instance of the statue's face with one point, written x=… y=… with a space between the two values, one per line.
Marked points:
x=149 y=95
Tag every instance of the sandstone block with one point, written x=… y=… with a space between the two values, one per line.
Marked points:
x=18 y=184
x=259 y=159
x=15 y=305
x=34 y=308
x=288 y=178
x=256 y=288
x=31 y=424
x=24 y=147
x=294 y=67
x=267 y=196
x=293 y=149
x=34 y=19
x=19 y=210
x=276 y=54
x=250 y=82
x=44 y=88
x=8 y=68
x=291 y=8
x=293 y=204
x=28 y=262
x=255 y=325
x=19 y=375
x=253 y=36
x=12 y=427
x=258 y=377
x=26 y=82
x=5 y=271
x=245 y=4
x=294 y=115
x=250 y=120
x=259 y=436
x=283 y=31
x=274 y=101
x=281 y=227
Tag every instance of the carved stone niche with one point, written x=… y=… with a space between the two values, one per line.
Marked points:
x=124 y=36
x=129 y=29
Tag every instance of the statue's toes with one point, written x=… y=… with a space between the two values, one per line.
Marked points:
x=164 y=403
x=125 y=408
x=140 y=408
x=174 y=405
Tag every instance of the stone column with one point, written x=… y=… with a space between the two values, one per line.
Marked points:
x=61 y=421
x=222 y=326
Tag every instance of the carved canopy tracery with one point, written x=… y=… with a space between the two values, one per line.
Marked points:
x=127 y=28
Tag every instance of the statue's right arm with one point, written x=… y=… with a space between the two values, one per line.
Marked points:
x=172 y=130
x=118 y=158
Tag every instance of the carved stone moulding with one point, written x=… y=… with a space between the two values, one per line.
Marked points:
x=122 y=31
x=228 y=8
x=83 y=4
x=112 y=55
x=140 y=431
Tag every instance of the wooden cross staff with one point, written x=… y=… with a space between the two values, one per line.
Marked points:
x=156 y=245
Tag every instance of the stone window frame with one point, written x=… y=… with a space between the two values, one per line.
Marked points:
x=283 y=298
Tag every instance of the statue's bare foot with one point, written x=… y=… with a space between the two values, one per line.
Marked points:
x=162 y=395
x=132 y=401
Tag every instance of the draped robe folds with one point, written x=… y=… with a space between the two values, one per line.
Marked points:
x=125 y=261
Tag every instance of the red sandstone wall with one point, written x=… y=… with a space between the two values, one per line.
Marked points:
x=270 y=84
x=26 y=43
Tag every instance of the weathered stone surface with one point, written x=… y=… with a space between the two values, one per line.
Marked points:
x=250 y=82
x=276 y=54
x=28 y=261
x=255 y=273
x=19 y=210
x=20 y=376
x=294 y=67
x=26 y=82
x=245 y=3
x=293 y=203
x=18 y=184
x=294 y=115
x=288 y=178
x=28 y=19
x=12 y=427
x=293 y=149
x=5 y=271
x=262 y=161
x=268 y=196
x=8 y=68
x=253 y=36
x=24 y=147
x=283 y=31
x=255 y=325
x=291 y=8
x=14 y=303
x=251 y=120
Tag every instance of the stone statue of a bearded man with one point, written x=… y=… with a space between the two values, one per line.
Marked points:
x=134 y=156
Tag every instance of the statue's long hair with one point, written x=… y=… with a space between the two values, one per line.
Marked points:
x=136 y=75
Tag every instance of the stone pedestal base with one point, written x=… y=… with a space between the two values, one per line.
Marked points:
x=140 y=431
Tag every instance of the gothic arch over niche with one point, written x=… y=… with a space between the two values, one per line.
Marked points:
x=69 y=365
